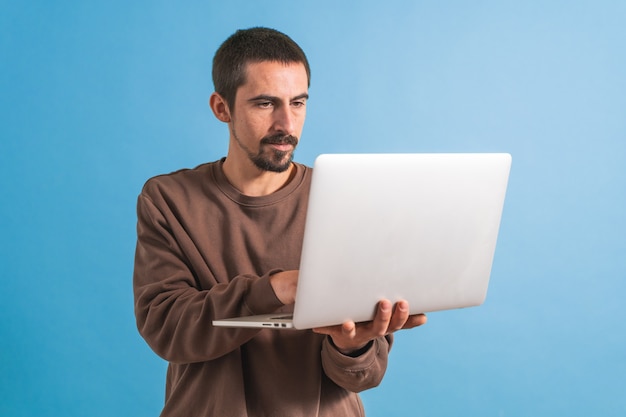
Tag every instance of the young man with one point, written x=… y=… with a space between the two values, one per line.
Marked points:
x=224 y=240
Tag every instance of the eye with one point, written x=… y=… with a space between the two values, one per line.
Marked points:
x=299 y=103
x=264 y=104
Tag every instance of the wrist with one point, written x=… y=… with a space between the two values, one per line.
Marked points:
x=352 y=352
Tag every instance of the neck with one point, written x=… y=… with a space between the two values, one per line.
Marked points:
x=253 y=181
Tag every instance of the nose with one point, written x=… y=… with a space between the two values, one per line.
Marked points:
x=284 y=120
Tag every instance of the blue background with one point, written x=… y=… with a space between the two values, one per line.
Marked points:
x=98 y=96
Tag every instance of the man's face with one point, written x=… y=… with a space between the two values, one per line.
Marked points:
x=268 y=114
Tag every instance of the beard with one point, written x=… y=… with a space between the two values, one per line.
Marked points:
x=270 y=159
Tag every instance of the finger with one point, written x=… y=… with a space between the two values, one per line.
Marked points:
x=329 y=330
x=380 y=324
x=348 y=329
x=399 y=317
x=415 y=320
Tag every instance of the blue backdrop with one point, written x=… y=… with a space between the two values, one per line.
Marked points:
x=98 y=96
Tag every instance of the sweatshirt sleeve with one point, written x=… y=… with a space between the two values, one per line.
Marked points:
x=174 y=315
x=359 y=373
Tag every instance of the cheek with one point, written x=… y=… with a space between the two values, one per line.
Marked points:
x=243 y=126
x=253 y=123
x=301 y=124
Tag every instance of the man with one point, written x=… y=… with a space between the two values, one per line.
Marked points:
x=224 y=240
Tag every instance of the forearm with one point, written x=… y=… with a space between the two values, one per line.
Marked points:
x=175 y=318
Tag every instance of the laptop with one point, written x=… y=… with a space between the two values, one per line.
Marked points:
x=418 y=227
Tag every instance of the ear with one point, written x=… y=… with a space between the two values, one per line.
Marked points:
x=220 y=108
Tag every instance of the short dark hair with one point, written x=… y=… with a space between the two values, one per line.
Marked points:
x=252 y=45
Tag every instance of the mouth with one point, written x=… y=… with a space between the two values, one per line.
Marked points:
x=282 y=147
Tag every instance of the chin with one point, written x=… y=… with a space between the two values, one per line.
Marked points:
x=278 y=162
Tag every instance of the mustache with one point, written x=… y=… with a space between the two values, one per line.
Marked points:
x=280 y=140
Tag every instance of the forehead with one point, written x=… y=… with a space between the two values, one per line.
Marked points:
x=270 y=77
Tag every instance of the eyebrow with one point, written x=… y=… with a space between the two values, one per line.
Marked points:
x=265 y=97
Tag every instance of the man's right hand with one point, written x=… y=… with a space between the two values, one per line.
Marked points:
x=284 y=285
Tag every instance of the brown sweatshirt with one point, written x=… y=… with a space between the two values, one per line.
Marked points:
x=206 y=251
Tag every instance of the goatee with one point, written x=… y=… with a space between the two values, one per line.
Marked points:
x=270 y=159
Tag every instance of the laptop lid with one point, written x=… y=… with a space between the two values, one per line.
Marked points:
x=419 y=227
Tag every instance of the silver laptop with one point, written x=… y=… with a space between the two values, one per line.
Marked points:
x=419 y=227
